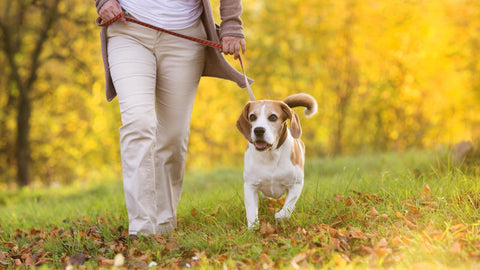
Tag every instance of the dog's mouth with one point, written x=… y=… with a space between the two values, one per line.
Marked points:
x=262 y=145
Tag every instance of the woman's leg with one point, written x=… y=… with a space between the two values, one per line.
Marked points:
x=179 y=67
x=133 y=69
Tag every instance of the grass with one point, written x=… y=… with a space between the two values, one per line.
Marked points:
x=402 y=210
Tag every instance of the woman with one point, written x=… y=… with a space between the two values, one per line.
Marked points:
x=155 y=76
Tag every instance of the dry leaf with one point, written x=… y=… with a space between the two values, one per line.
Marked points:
x=299 y=258
x=28 y=259
x=399 y=240
x=456 y=247
x=102 y=261
x=373 y=212
x=383 y=251
x=366 y=249
x=426 y=192
x=265 y=261
x=266 y=229
x=407 y=222
x=338 y=197
x=458 y=227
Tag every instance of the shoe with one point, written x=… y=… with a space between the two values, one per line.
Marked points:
x=132 y=237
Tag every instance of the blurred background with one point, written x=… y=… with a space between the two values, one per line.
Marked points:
x=388 y=76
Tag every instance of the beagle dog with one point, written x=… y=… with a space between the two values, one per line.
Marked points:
x=275 y=155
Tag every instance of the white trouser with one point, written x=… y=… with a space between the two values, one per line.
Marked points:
x=156 y=77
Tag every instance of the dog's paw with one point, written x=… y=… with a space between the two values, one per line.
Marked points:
x=282 y=215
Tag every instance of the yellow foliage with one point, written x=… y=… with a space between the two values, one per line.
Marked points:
x=388 y=75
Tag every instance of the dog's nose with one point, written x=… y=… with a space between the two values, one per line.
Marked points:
x=259 y=131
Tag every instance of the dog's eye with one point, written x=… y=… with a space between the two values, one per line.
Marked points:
x=252 y=117
x=272 y=118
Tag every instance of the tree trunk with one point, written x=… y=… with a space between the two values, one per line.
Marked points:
x=23 y=143
x=346 y=67
x=13 y=35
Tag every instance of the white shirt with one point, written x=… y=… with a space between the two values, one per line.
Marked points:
x=167 y=14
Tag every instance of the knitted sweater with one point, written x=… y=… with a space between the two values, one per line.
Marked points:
x=215 y=63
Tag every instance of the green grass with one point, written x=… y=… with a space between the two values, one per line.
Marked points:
x=406 y=210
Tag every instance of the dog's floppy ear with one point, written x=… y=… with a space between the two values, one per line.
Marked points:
x=295 y=127
x=243 y=124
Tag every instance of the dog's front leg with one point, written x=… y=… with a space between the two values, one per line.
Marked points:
x=251 y=205
x=292 y=197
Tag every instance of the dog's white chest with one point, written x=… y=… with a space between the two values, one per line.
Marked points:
x=273 y=172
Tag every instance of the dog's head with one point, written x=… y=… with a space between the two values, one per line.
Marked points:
x=264 y=123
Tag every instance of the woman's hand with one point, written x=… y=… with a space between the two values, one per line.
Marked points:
x=233 y=45
x=111 y=9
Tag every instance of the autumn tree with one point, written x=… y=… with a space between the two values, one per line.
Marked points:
x=36 y=40
x=387 y=75
x=344 y=70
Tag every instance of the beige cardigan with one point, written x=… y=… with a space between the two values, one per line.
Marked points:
x=215 y=64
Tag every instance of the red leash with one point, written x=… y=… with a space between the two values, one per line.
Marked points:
x=205 y=42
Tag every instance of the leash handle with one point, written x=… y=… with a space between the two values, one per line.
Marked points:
x=209 y=43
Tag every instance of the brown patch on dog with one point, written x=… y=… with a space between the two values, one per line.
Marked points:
x=295 y=128
x=296 y=156
x=283 y=135
x=243 y=124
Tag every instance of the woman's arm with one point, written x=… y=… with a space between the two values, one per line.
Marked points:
x=231 y=30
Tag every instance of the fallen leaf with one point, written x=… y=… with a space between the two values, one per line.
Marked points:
x=407 y=222
x=28 y=259
x=456 y=247
x=426 y=192
x=340 y=244
x=383 y=251
x=266 y=229
x=338 y=197
x=102 y=261
x=382 y=243
x=373 y=212
x=458 y=227
x=336 y=223
x=42 y=260
x=299 y=258
x=265 y=261
x=366 y=249
x=399 y=240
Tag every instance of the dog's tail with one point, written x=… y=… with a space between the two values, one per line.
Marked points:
x=304 y=100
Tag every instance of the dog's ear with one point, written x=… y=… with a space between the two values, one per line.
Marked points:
x=243 y=125
x=295 y=127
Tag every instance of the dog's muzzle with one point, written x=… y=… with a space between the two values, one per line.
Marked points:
x=259 y=142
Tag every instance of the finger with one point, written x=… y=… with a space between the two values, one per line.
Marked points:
x=237 y=50
x=227 y=48
x=110 y=9
x=123 y=20
x=106 y=14
x=231 y=48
